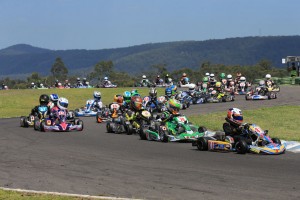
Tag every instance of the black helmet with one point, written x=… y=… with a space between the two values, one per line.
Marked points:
x=44 y=99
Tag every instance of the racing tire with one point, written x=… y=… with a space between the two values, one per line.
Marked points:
x=80 y=122
x=164 y=136
x=108 y=127
x=42 y=126
x=143 y=134
x=22 y=121
x=202 y=144
x=36 y=124
x=202 y=129
x=129 y=129
x=76 y=112
x=276 y=140
x=227 y=128
x=241 y=146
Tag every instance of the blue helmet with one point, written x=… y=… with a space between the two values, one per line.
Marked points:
x=168 y=92
x=54 y=98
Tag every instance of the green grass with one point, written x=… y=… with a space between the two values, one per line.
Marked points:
x=281 y=121
x=15 y=103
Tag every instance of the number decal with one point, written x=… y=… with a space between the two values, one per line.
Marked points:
x=115 y=106
x=146 y=98
x=181 y=119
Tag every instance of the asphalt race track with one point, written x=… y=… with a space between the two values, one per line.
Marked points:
x=98 y=163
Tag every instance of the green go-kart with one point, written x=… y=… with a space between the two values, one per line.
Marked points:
x=176 y=129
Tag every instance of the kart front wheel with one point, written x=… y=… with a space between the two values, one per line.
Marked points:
x=241 y=147
x=80 y=122
x=42 y=126
x=129 y=129
x=164 y=136
x=108 y=127
x=22 y=121
x=202 y=144
x=143 y=134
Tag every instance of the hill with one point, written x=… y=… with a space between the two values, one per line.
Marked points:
x=24 y=59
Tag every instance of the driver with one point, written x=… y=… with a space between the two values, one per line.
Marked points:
x=184 y=79
x=268 y=81
x=44 y=100
x=235 y=119
x=144 y=81
x=97 y=100
x=106 y=81
x=173 y=107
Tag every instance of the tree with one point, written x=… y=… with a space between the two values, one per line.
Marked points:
x=101 y=69
x=59 y=70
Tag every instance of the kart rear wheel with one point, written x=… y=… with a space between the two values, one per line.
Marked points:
x=143 y=134
x=42 y=126
x=202 y=144
x=108 y=127
x=80 y=122
x=129 y=129
x=98 y=118
x=241 y=147
x=276 y=140
x=22 y=121
x=164 y=136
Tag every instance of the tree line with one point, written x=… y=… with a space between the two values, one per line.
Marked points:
x=60 y=72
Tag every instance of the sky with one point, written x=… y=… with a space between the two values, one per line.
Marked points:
x=103 y=24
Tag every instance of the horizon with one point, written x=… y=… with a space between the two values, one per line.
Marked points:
x=101 y=24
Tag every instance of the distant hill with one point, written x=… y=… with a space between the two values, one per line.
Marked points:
x=24 y=59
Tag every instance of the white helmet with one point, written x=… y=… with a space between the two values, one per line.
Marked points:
x=97 y=95
x=261 y=83
x=144 y=76
x=268 y=76
x=62 y=103
x=243 y=78
x=229 y=76
x=105 y=78
x=211 y=75
x=206 y=74
x=192 y=87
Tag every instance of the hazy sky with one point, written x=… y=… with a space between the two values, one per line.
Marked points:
x=99 y=24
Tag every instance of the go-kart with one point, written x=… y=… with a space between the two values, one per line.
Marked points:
x=217 y=97
x=176 y=129
x=143 y=120
x=214 y=141
x=243 y=88
x=198 y=97
x=154 y=105
x=185 y=99
x=251 y=138
x=261 y=93
x=108 y=85
x=89 y=110
x=117 y=123
x=29 y=121
x=60 y=123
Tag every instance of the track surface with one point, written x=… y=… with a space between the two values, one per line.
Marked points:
x=98 y=163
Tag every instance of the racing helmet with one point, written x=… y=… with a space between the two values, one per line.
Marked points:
x=218 y=84
x=235 y=115
x=62 y=103
x=144 y=76
x=229 y=76
x=173 y=106
x=78 y=79
x=222 y=75
x=135 y=93
x=97 y=95
x=206 y=74
x=261 y=83
x=184 y=74
x=205 y=79
x=158 y=76
x=192 y=87
x=268 y=76
x=118 y=99
x=239 y=74
x=136 y=103
x=212 y=75
x=54 y=98
x=243 y=78
x=84 y=79
x=167 y=75
x=127 y=96
x=153 y=92
x=44 y=99
x=168 y=92
x=105 y=78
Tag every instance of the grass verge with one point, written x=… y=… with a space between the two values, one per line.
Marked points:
x=281 y=121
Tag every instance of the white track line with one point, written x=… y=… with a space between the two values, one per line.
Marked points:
x=66 y=194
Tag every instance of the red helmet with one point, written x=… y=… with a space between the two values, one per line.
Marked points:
x=235 y=114
x=136 y=103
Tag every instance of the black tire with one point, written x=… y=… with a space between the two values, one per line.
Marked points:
x=36 y=124
x=22 y=121
x=129 y=129
x=80 y=122
x=227 y=128
x=202 y=144
x=143 y=134
x=276 y=140
x=164 y=136
x=202 y=129
x=42 y=126
x=108 y=127
x=241 y=146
